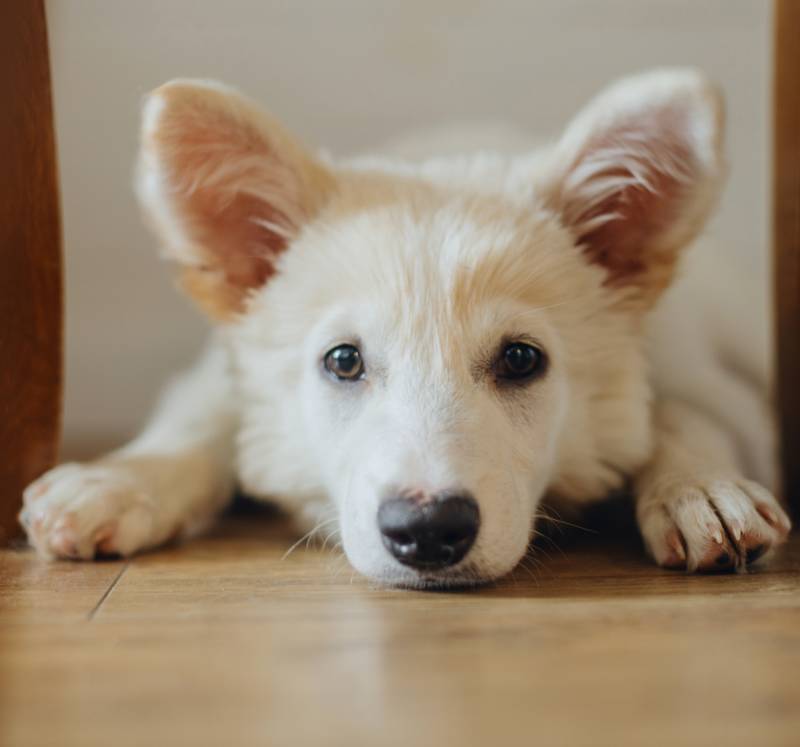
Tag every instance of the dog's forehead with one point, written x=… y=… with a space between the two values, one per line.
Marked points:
x=413 y=266
x=427 y=232
x=428 y=247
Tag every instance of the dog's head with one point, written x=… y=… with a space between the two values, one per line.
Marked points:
x=434 y=347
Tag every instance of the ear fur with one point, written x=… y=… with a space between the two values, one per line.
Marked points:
x=226 y=188
x=636 y=174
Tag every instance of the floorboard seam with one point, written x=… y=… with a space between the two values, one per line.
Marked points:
x=107 y=592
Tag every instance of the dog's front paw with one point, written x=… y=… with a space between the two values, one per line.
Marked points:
x=83 y=510
x=709 y=523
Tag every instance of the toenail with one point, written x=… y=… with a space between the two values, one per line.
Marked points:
x=768 y=514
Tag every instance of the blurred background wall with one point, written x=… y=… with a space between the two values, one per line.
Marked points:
x=344 y=74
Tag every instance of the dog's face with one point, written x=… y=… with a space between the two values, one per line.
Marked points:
x=434 y=348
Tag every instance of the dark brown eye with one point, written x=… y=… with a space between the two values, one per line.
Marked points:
x=345 y=363
x=519 y=360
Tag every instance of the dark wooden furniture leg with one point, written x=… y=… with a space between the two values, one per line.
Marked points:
x=786 y=223
x=30 y=259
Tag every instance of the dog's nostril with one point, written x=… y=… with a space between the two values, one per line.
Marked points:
x=402 y=538
x=404 y=550
x=429 y=535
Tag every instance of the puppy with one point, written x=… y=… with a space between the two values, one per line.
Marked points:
x=424 y=354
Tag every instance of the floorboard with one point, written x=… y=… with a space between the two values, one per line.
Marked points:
x=224 y=641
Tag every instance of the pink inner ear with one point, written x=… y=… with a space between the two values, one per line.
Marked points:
x=626 y=192
x=235 y=235
x=225 y=186
x=636 y=215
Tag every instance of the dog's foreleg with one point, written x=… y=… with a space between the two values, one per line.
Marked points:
x=171 y=480
x=695 y=508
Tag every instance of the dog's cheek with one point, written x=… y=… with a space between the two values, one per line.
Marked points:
x=508 y=518
x=331 y=422
x=362 y=546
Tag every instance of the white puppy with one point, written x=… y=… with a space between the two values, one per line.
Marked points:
x=427 y=351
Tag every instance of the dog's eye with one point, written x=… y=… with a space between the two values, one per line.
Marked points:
x=344 y=362
x=520 y=360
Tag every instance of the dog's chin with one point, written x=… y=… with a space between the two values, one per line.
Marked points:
x=459 y=578
x=478 y=568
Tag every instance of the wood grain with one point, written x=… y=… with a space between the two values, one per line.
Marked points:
x=222 y=641
x=30 y=258
x=786 y=233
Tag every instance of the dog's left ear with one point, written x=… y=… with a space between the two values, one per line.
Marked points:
x=636 y=174
x=226 y=187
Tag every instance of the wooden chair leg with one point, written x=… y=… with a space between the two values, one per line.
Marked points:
x=786 y=222
x=30 y=259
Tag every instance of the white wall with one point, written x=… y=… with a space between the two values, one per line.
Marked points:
x=344 y=74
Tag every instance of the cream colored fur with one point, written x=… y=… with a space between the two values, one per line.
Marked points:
x=427 y=264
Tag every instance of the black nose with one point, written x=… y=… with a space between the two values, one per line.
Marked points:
x=432 y=533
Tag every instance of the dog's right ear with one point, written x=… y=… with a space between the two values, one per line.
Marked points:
x=226 y=187
x=636 y=174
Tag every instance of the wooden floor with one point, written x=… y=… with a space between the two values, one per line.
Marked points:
x=224 y=642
